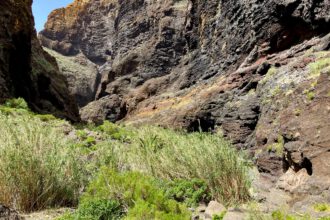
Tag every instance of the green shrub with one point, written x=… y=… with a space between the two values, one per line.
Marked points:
x=114 y=131
x=19 y=107
x=135 y=192
x=95 y=209
x=15 y=107
x=46 y=117
x=171 y=155
x=18 y=103
x=37 y=167
x=81 y=134
x=191 y=192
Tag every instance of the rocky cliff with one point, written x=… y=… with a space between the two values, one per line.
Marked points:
x=258 y=71
x=25 y=69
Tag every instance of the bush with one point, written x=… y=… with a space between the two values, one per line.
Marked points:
x=97 y=209
x=191 y=192
x=136 y=193
x=114 y=131
x=171 y=155
x=174 y=155
x=18 y=103
x=37 y=167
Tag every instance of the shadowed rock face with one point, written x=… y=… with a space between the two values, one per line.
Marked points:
x=256 y=70
x=25 y=69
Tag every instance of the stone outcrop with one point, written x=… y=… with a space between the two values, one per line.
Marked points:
x=25 y=69
x=9 y=214
x=257 y=71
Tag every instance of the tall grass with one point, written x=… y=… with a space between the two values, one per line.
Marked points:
x=41 y=167
x=37 y=167
x=168 y=154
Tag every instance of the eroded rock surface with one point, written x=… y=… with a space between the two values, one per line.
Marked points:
x=25 y=69
x=82 y=76
x=258 y=71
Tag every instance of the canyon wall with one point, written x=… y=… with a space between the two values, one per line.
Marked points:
x=25 y=69
x=195 y=64
x=256 y=71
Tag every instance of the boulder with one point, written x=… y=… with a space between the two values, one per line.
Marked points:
x=9 y=214
x=214 y=208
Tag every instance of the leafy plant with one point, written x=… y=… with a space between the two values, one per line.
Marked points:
x=114 y=131
x=100 y=209
x=191 y=192
x=137 y=194
x=18 y=103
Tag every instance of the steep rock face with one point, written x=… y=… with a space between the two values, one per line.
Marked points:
x=151 y=48
x=82 y=76
x=255 y=70
x=25 y=69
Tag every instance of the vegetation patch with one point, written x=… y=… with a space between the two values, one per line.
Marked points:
x=278 y=146
x=279 y=215
x=319 y=65
x=152 y=172
x=114 y=131
x=272 y=71
x=132 y=193
x=220 y=216
x=167 y=154
x=191 y=192
x=310 y=94
x=322 y=207
x=41 y=64
x=256 y=214
x=38 y=169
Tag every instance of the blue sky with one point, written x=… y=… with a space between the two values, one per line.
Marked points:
x=42 y=8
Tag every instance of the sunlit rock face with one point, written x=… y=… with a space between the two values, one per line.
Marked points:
x=25 y=69
x=257 y=71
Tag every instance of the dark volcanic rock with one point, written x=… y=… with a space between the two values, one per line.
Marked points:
x=255 y=70
x=25 y=69
x=178 y=44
